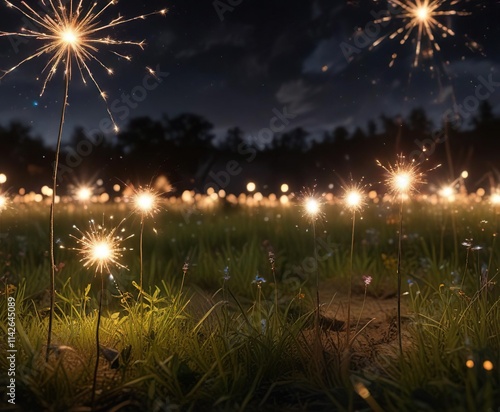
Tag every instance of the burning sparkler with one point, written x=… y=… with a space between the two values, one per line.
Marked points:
x=72 y=32
x=402 y=179
x=69 y=33
x=146 y=202
x=100 y=249
x=354 y=201
x=420 y=16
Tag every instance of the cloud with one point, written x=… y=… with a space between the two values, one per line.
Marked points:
x=297 y=96
x=327 y=55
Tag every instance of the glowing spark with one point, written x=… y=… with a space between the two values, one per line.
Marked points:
x=146 y=201
x=420 y=16
x=354 y=198
x=403 y=177
x=495 y=198
x=448 y=193
x=3 y=202
x=70 y=33
x=100 y=248
x=84 y=194
x=311 y=205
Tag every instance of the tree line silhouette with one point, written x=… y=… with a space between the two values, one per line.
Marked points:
x=185 y=150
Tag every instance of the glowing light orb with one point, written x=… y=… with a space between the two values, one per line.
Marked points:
x=312 y=207
x=251 y=186
x=402 y=177
x=3 y=178
x=448 y=193
x=3 y=202
x=402 y=181
x=101 y=251
x=495 y=198
x=69 y=36
x=488 y=365
x=422 y=13
x=84 y=194
x=146 y=201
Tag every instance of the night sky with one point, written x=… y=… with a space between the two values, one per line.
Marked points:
x=263 y=55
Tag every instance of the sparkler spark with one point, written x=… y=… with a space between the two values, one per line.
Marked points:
x=146 y=201
x=420 y=16
x=403 y=177
x=354 y=198
x=71 y=32
x=100 y=248
x=311 y=205
x=3 y=202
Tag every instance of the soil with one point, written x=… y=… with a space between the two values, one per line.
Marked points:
x=373 y=329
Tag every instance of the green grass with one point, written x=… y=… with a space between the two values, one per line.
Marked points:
x=227 y=345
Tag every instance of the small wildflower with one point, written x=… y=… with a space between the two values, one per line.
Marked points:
x=367 y=280
x=263 y=325
x=226 y=276
x=185 y=268
x=272 y=260
x=467 y=243
x=259 y=280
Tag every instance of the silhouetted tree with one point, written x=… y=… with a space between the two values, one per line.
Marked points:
x=233 y=139
x=418 y=122
x=190 y=130
x=340 y=135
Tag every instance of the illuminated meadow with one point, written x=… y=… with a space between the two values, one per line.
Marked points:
x=228 y=316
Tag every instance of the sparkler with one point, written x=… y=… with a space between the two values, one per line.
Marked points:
x=146 y=202
x=354 y=201
x=402 y=179
x=100 y=249
x=69 y=33
x=311 y=205
x=420 y=16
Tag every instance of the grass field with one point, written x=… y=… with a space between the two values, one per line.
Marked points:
x=211 y=334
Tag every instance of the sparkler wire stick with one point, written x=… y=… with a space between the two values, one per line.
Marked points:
x=52 y=204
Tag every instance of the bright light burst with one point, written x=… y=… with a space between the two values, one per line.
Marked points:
x=71 y=32
x=354 y=198
x=402 y=177
x=100 y=248
x=4 y=200
x=448 y=192
x=84 y=193
x=146 y=201
x=311 y=205
x=494 y=199
x=420 y=16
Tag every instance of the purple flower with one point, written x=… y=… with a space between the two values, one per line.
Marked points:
x=367 y=280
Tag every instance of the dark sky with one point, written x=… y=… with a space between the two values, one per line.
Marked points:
x=263 y=55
